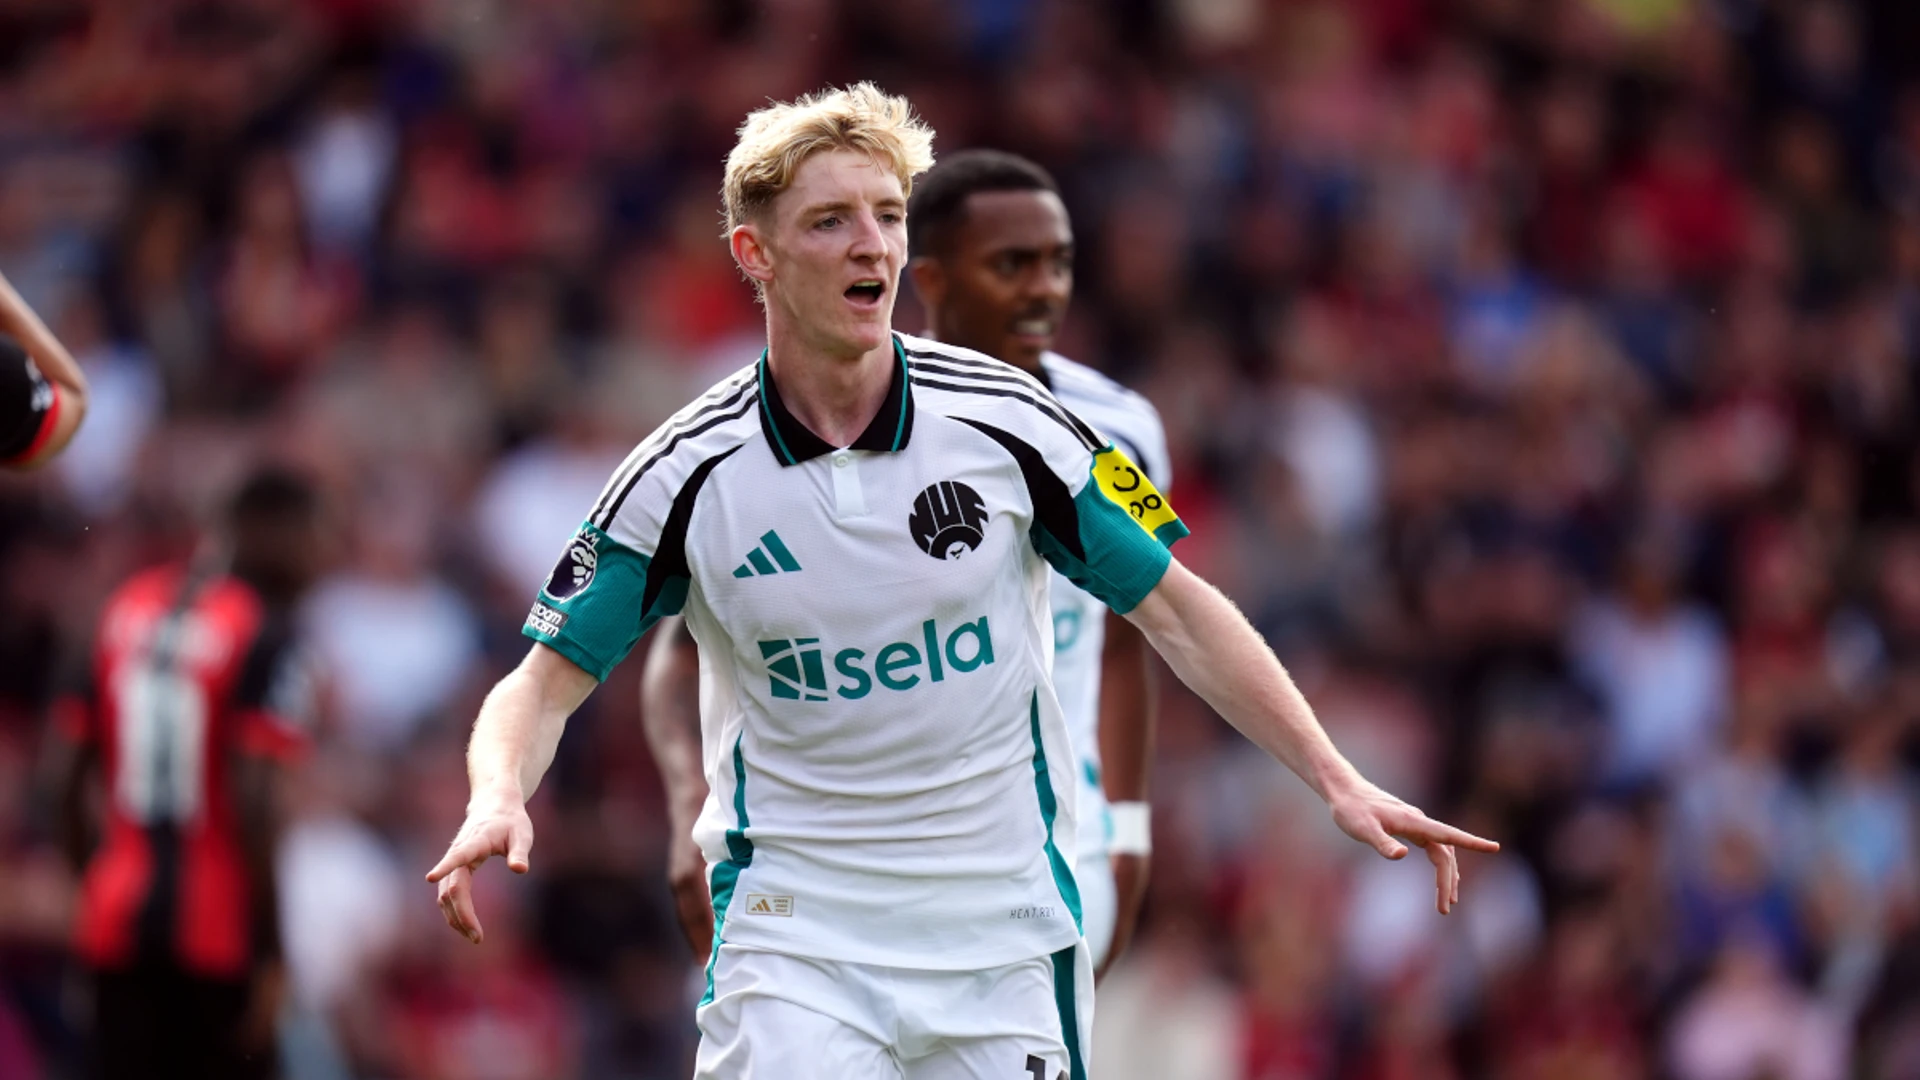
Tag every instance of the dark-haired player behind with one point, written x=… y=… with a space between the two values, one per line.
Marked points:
x=196 y=693
x=43 y=396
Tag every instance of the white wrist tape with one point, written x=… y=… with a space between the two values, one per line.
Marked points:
x=1132 y=828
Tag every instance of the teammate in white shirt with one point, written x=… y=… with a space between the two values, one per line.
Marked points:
x=857 y=528
x=991 y=251
x=992 y=258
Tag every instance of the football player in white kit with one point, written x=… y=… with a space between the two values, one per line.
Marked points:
x=858 y=527
x=991 y=251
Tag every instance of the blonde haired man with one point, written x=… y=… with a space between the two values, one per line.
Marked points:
x=857 y=528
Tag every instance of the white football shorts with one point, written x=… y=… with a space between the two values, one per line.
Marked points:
x=774 y=1016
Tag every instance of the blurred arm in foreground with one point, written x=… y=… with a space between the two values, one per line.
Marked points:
x=43 y=395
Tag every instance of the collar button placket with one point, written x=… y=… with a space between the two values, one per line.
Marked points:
x=849 y=498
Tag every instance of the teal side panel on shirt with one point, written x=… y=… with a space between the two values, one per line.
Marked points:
x=1123 y=561
x=590 y=609
x=1049 y=808
x=727 y=874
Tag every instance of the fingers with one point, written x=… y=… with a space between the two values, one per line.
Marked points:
x=465 y=851
x=1383 y=818
x=519 y=847
x=1386 y=845
x=456 y=904
x=1423 y=830
x=1446 y=876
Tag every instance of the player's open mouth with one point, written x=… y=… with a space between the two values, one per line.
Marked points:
x=866 y=293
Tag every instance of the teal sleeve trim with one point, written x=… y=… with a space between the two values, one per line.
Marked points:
x=1122 y=562
x=595 y=622
x=1172 y=533
x=573 y=651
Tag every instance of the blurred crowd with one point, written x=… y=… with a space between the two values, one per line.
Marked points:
x=1541 y=377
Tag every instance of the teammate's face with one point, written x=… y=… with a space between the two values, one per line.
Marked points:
x=830 y=251
x=1004 y=284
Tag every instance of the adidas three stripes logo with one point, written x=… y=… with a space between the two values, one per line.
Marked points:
x=758 y=562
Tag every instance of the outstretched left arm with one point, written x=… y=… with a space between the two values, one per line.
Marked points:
x=1218 y=654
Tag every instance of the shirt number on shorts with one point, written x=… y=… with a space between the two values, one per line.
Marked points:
x=1038 y=1068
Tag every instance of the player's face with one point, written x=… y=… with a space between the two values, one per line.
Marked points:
x=1010 y=275
x=835 y=247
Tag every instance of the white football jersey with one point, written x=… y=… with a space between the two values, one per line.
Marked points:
x=1079 y=618
x=892 y=781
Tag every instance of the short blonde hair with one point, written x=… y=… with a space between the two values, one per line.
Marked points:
x=774 y=141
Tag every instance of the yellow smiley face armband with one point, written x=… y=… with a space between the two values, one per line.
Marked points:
x=1126 y=486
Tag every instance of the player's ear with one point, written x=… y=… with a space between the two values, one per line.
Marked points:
x=929 y=280
x=750 y=251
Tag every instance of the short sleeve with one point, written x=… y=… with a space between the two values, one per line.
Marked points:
x=600 y=598
x=626 y=567
x=1096 y=516
x=1116 y=542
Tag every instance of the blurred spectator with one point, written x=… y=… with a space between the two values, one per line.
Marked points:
x=280 y=301
x=344 y=163
x=522 y=509
x=125 y=401
x=495 y=1013
x=1748 y=1020
x=1659 y=667
x=1165 y=1014
x=400 y=641
x=1689 y=198
x=1572 y=1013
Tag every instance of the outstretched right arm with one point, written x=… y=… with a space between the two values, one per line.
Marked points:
x=624 y=570
x=514 y=740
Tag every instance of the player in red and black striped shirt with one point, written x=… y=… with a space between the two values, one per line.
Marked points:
x=43 y=396
x=196 y=693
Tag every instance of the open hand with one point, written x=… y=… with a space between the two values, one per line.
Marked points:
x=494 y=826
x=1382 y=822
